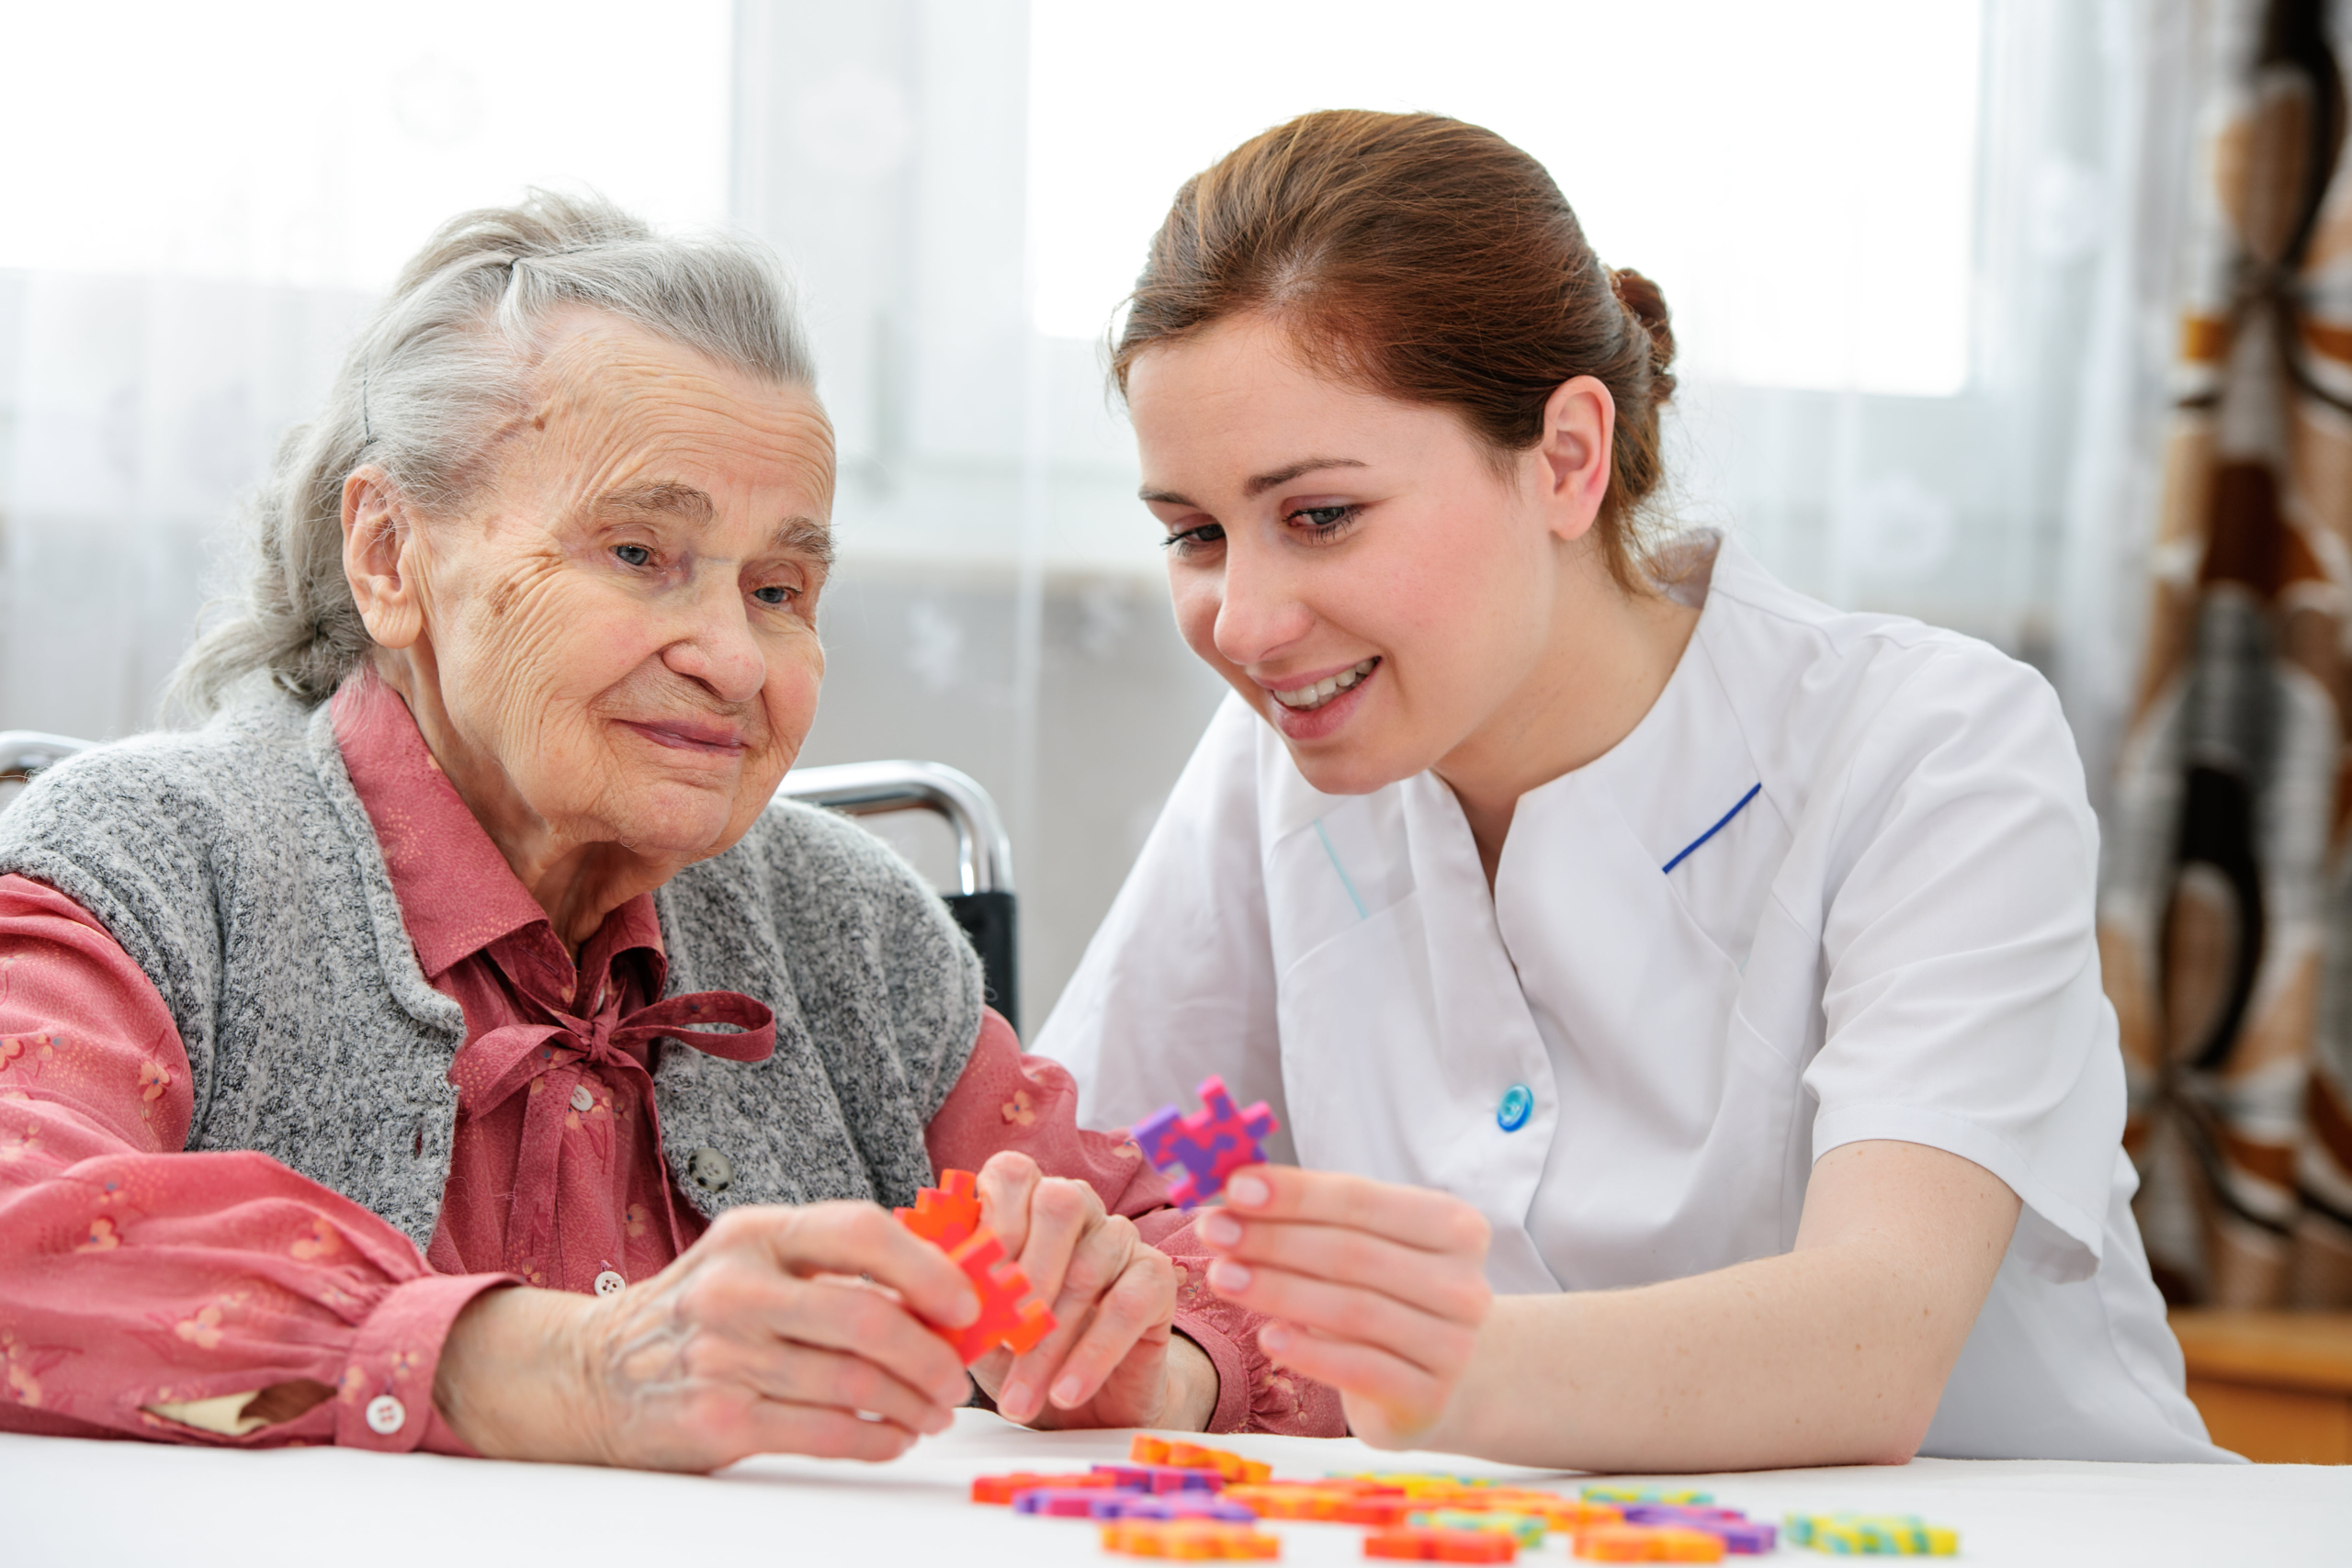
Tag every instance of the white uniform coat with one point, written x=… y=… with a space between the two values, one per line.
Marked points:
x=1836 y=885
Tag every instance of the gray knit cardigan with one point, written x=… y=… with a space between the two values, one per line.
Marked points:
x=238 y=868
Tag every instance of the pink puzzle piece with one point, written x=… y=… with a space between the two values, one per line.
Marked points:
x=1206 y=1146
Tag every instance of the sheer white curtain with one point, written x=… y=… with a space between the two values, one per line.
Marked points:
x=132 y=411
x=2153 y=66
x=2017 y=504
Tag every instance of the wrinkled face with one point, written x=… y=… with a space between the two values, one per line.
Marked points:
x=626 y=624
x=1354 y=566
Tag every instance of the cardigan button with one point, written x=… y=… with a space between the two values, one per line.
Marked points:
x=386 y=1415
x=610 y=1283
x=710 y=1170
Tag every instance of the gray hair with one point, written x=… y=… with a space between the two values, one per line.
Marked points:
x=438 y=371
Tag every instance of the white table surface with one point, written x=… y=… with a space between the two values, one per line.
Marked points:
x=64 y=1501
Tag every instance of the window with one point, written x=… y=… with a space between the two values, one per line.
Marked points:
x=1802 y=185
x=318 y=145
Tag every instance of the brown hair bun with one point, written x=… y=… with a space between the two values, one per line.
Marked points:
x=1641 y=296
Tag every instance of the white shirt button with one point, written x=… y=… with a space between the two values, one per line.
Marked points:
x=581 y=1098
x=386 y=1415
x=609 y=1283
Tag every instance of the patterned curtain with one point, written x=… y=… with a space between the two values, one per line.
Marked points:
x=2226 y=909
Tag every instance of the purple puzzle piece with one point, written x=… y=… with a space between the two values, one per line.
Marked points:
x=1687 y=1516
x=1206 y=1146
x=1060 y=1502
x=1173 y=1505
x=1738 y=1533
x=1161 y=1478
x=1748 y=1537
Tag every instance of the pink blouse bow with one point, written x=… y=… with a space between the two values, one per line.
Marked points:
x=549 y=1060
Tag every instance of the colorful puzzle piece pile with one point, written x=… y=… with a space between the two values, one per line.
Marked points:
x=948 y=1216
x=1180 y=1499
x=1197 y=1153
x=1904 y=1535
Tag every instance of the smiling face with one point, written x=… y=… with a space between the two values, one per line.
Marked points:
x=1361 y=569
x=615 y=648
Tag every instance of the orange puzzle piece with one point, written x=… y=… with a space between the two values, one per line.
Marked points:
x=1196 y=1540
x=1288 y=1500
x=1147 y=1450
x=1423 y=1544
x=1009 y=1315
x=1647 y=1543
x=1000 y=1488
x=943 y=1215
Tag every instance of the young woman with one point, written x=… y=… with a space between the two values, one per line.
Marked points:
x=1681 y=995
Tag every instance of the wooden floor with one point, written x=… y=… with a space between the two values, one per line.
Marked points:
x=2275 y=1386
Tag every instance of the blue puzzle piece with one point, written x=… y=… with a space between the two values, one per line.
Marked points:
x=1197 y=1153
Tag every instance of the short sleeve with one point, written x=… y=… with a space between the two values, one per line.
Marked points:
x=1179 y=980
x=1962 y=1004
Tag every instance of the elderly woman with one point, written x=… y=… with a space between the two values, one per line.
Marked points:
x=451 y=1045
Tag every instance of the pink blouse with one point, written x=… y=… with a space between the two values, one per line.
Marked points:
x=221 y=1297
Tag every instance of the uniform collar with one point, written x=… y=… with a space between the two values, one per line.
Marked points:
x=457 y=892
x=1687 y=764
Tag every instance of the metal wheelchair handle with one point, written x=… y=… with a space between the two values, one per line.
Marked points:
x=24 y=752
x=983 y=854
x=986 y=908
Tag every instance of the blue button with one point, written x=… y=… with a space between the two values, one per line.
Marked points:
x=1517 y=1107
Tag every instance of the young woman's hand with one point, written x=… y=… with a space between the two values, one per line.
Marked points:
x=1376 y=1289
x=1111 y=1360
x=783 y=1331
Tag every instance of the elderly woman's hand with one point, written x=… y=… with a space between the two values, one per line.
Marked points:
x=1112 y=1360
x=762 y=1338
